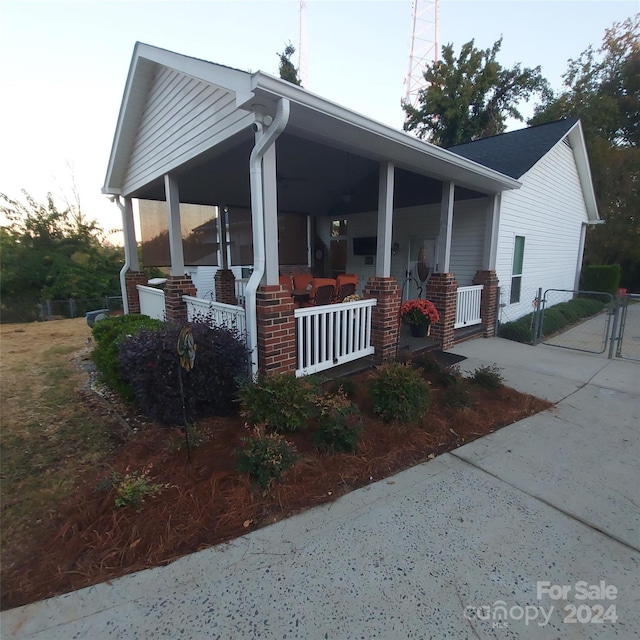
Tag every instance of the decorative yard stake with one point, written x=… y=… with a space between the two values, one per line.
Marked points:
x=186 y=360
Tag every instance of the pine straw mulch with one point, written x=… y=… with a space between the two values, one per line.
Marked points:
x=89 y=540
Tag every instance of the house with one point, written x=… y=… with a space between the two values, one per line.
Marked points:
x=244 y=176
x=542 y=225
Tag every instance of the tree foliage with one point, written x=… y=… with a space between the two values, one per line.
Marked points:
x=287 y=69
x=54 y=253
x=602 y=88
x=471 y=96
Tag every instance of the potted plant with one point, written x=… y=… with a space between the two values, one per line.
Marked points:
x=419 y=314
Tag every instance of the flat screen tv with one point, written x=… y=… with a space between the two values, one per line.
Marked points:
x=364 y=246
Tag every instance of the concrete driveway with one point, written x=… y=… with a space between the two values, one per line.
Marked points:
x=531 y=532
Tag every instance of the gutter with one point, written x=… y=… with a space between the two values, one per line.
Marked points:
x=127 y=262
x=264 y=139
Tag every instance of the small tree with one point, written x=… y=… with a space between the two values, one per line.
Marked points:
x=286 y=69
x=471 y=96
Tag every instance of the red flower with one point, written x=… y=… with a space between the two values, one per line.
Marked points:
x=419 y=311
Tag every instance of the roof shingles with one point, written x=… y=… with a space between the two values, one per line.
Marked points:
x=514 y=153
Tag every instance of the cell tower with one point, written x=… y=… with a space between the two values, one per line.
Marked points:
x=424 y=46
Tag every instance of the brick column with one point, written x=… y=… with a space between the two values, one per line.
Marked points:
x=489 y=300
x=174 y=289
x=131 y=280
x=385 y=315
x=442 y=291
x=225 y=286
x=276 y=330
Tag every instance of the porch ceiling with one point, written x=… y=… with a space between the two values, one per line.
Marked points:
x=312 y=177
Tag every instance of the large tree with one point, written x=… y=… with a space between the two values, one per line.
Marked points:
x=602 y=88
x=54 y=253
x=471 y=96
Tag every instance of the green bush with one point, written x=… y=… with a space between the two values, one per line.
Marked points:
x=108 y=334
x=458 y=396
x=339 y=423
x=601 y=277
x=519 y=330
x=282 y=402
x=554 y=319
x=399 y=393
x=265 y=456
x=487 y=377
x=427 y=363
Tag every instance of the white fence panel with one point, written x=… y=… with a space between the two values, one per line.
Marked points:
x=152 y=302
x=217 y=314
x=330 y=335
x=468 y=306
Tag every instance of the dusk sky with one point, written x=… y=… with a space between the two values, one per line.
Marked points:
x=63 y=65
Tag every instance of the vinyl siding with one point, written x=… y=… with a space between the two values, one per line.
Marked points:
x=182 y=118
x=416 y=224
x=548 y=210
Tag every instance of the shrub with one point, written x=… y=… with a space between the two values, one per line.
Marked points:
x=346 y=384
x=399 y=393
x=554 y=319
x=282 y=402
x=458 y=396
x=107 y=334
x=488 y=377
x=601 y=277
x=339 y=423
x=265 y=456
x=150 y=364
x=427 y=363
x=132 y=488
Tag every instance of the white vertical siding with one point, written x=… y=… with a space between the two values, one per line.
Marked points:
x=548 y=210
x=182 y=117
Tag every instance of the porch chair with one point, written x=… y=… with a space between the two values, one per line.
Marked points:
x=286 y=282
x=322 y=292
x=346 y=285
x=301 y=280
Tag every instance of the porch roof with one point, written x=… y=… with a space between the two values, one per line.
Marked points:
x=312 y=118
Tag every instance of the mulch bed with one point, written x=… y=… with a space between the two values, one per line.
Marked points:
x=206 y=502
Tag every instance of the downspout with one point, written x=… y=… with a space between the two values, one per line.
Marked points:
x=125 y=268
x=264 y=141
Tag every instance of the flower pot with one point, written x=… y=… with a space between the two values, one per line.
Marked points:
x=419 y=330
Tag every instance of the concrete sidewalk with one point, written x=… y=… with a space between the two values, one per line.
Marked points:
x=432 y=551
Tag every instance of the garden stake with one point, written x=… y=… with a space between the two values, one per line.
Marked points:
x=186 y=359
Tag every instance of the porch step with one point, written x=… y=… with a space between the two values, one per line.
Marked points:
x=467 y=333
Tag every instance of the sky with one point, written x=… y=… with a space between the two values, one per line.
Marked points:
x=63 y=65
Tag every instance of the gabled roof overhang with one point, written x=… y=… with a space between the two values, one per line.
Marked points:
x=312 y=117
x=579 y=147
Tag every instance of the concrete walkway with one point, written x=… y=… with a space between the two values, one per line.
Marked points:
x=499 y=529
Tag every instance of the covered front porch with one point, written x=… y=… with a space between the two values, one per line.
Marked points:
x=294 y=183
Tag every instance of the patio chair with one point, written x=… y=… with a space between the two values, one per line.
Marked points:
x=346 y=284
x=286 y=282
x=301 y=280
x=322 y=292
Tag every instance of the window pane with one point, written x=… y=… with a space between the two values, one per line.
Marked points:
x=518 y=256
x=516 y=284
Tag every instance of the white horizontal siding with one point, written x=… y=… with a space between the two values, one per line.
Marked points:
x=467 y=240
x=415 y=224
x=182 y=118
x=548 y=210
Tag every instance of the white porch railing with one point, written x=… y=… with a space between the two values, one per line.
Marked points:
x=151 y=302
x=217 y=314
x=468 y=306
x=330 y=335
x=241 y=285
